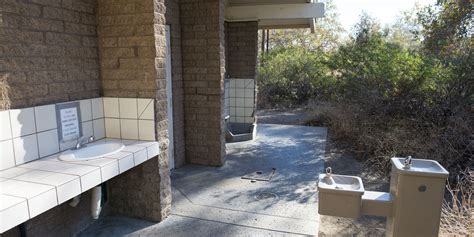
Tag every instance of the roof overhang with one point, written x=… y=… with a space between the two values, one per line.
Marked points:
x=275 y=14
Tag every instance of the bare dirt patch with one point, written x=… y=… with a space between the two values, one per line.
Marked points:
x=297 y=116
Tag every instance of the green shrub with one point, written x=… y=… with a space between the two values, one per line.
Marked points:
x=291 y=76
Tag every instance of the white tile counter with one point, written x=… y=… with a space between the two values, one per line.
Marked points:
x=35 y=187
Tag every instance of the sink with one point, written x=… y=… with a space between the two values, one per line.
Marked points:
x=420 y=167
x=340 y=195
x=92 y=151
x=341 y=183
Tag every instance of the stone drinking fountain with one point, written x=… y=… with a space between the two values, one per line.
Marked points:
x=412 y=207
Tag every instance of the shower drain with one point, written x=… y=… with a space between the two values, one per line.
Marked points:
x=265 y=196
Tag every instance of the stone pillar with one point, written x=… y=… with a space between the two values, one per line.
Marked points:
x=203 y=56
x=132 y=55
x=242 y=49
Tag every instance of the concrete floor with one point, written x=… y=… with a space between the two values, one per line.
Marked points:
x=210 y=201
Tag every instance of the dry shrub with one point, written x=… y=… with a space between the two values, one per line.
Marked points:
x=376 y=137
x=457 y=216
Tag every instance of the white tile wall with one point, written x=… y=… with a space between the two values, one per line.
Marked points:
x=129 y=129
x=31 y=133
x=5 y=127
x=98 y=126
x=112 y=127
x=66 y=145
x=97 y=108
x=87 y=129
x=7 y=154
x=226 y=97
x=111 y=107
x=129 y=118
x=48 y=143
x=86 y=110
x=22 y=122
x=146 y=109
x=146 y=130
x=45 y=118
x=241 y=100
x=128 y=108
x=26 y=149
x=35 y=187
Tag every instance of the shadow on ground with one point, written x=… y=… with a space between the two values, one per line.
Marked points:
x=216 y=201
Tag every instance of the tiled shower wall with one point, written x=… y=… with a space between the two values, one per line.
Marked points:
x=240 y=95
x=226 y=97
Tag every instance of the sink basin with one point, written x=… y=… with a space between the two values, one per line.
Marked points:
x=92 y=151
x=420 y=167
x=341 y=183
x=340 y=195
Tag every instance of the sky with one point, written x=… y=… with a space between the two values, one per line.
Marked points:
x=384 y=10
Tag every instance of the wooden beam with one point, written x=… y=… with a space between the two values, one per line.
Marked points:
x=274 y=11
x=262 y=2
x=304 y=26
x=283 y=24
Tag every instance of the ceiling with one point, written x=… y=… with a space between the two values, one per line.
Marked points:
x=262 y=2
x=275 y=14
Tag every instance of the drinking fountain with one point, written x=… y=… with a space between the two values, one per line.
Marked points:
x=412 y=207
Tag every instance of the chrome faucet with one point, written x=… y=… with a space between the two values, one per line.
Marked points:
x=82 y=141
x=407 y=163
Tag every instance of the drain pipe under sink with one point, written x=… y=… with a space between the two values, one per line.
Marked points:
x=96 y=202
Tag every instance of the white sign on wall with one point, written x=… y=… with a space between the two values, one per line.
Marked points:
x=69 y=124
x=68 y=118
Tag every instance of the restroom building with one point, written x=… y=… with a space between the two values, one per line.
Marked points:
x=149 y=70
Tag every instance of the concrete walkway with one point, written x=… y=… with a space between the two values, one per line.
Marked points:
x=210 y=201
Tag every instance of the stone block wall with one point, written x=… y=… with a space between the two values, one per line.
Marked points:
x=48 y=52
x=203 y=58
x=173 y=20
x=242 y=49
x=132 y=50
